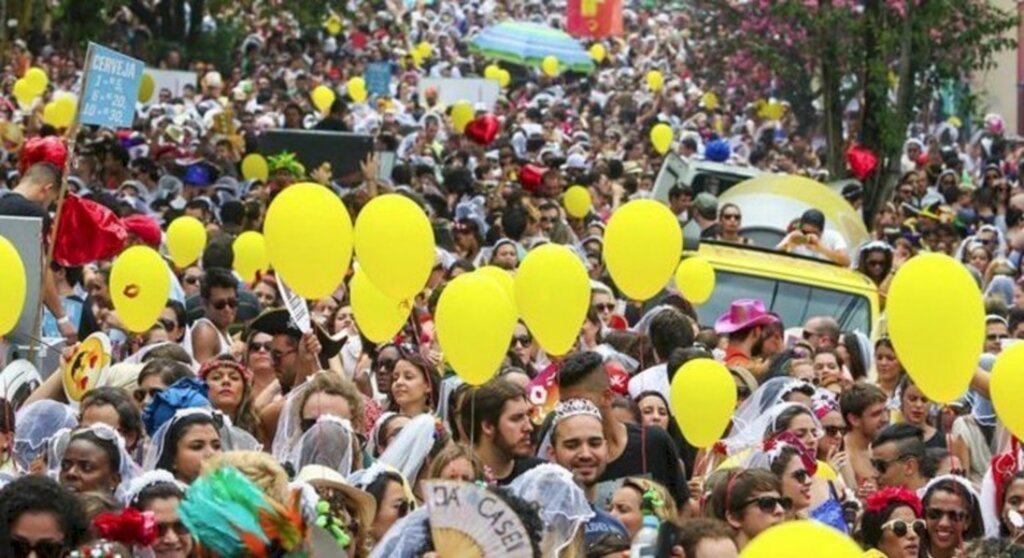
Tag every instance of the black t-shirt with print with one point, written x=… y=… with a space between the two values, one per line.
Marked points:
x=649 y=453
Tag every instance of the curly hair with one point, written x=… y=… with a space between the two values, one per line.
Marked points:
x=260 y=468
x=332 y=383
x=38 y=494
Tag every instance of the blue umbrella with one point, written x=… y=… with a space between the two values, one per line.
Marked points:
x=529 y=44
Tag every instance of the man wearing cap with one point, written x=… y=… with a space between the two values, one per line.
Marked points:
x=745 y=324
x=811 y=239
x=705 y=213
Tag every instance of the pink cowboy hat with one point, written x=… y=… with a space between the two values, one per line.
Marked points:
x=744 y=313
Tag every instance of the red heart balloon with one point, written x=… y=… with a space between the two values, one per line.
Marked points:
x=483 y=129
x=530 y=177
x=861 y=161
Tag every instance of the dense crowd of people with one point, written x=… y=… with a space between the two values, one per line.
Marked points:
x=224 y=430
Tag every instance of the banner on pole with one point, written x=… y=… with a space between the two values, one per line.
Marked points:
x=110 y=88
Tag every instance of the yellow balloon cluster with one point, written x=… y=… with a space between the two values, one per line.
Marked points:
x=254 y=167
x=250 y=251
x=938 y=344
x=577 y=202
x=146 y=87
x=597 y=52
x=13 y=286
x=462 y=115
x=553 y=295
x=356 y=87
x=695 y=279
x=1007 y=388
x=186 y=239
x=549 y=66
x=394 y=244
x=139 y=286
x=802 y=538
x=655 y=81
x=60 y=113
x=642 y=246
x=379 y=317
x=323 y=98
x=661 y=138
x=308 y=233
x=703 y=398
x=474 y=321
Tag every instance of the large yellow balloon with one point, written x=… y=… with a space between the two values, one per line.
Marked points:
x=598 y=52
x=703 y=397
x=65 y=107
x=661 y=138
x=474 y=323
x=462 y=115
x=356 y=88
x=936 y=319
x=379 y=318
x=146 y=87
x=492 y=71
x=553 y=295
x=186 y=239
x=504 y=278
x=655 y=81
x=309 y=239
x=21 y=92
x=802 y=538
x=395 y=245
x=139 y=287
x=695 y=279
x=250 y=251
x=550 y=66
x=323 y=98
x=37 y=81
x=577 y=202
x=642 y=246
x=12 y=287
x=425 y=49
x=504 y=78
x=50 y=114
x=1007 y=388
x=254 y=167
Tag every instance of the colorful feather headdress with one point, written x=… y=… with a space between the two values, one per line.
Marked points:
x=288 y=162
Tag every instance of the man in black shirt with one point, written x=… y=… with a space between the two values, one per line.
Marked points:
x=496 y=415
x=38 y=189
x=335 y=119
x=632 y=450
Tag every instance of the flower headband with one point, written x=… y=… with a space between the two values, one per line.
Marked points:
x=877 y=502
x=216 y=364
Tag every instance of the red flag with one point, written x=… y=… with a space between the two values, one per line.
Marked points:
x=87 y=232
x=594 y=19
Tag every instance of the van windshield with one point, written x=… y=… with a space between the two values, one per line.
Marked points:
x=794 y=302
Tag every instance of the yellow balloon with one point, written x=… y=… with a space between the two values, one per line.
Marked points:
x=64 y=111
x=577 y=202
x=938 y=344
x=492 y=71
x=425 y=49
x=703 y=397
x=802 y=538
x=462 y=115
x=695 y=279
x=598 y=52
x=37 y=81
x=709 y=100
x=553 y=295
x=357 y=89
x=309 y=239
x=379 y=318
x=323 y=98
x=22 y=94
x=12 y=288
x=771 y=110
x=139 y=287
x=550 y=66
x=333 y=24
x=642 y=246
x=504 y=278
x=474 y=324
x=250 y=251
x=50 y=114
x=146 y=87
x=395 y=245
x=504 y=78
x=186 y=239
x=655 y=81
x=254 y=167
x=1007 y=388
x=661 y=138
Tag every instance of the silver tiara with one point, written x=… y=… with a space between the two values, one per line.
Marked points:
x=574 y=407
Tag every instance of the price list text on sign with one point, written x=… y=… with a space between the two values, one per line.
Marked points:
x=111 y=87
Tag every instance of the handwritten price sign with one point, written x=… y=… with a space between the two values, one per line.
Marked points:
x=111 y=87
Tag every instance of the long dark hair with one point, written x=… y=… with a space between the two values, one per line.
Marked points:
x=176 y=431
x=975 y=529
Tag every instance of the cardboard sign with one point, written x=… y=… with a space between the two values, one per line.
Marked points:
x=343 y=150
x=111 y=88
x=453 y=90
x=86 y=367
x=172 y=80
x=378 y=78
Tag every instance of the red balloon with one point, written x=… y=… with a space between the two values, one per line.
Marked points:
x=483 y=129
x=530 y=177
x=861 y=161
x=50 y=149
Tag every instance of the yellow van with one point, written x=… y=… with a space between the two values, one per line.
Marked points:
x=794 y=287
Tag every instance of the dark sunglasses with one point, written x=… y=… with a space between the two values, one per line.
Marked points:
x=140 y=394
x=731 y=217
x=386 y=365
x=996 y=336
x=178 y=527
x=256 y=347
x=168 y=324
x=835 y=431
x=276 y=355
x=935 y=514
x=767 y=504
x=46 y=548
x=902 y=528
x=881 y=465
x=604 y=306
x=221 y=304
x=521 y=340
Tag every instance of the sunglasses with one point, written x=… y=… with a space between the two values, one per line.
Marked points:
x=521 y=340
x=996 y=336
x=221 y=304
x=140 y=394
x=731 y=217
x=191 y=279
x=835 y=431
x=178 y=527
x=276 y=355
x=46 y=548
x=902 y=528
x=767 y=504
x=255 y=347
x=168 y=324
x=604 y=306
x=935 y=514
x=881 y=465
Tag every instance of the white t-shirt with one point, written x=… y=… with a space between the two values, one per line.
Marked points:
x=829 y=239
